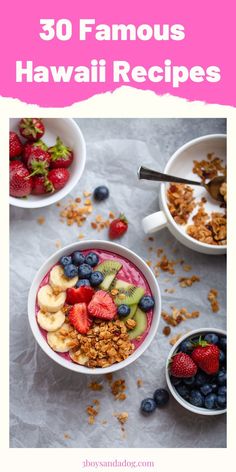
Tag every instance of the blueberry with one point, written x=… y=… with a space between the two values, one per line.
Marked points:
x=65 y=260
x=183 y=391
x=196 y=398
x=222 y=357
x=96 y=278
x=210 y=401
x=211 y=338
x=70 y=270
x=83 y=283
x=123 y=310
x=200 y=379
x=161 y=397
x=92 y=259
x=148 y=405
x=223 y=343
x=222 y=390
x=221 y=377
x=189 y=381
x=214 y=387
x=101 y=193
x=206 y=389
x=175 y=380
x=221 y=401
x=84 y=271
x=186 y=346
x=78 y=258
x=146 y=303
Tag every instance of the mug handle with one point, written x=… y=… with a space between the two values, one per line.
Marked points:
x=154 y=222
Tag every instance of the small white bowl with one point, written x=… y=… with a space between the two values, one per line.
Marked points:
x=178 y=398
x=116 y=249
x=72 y=136
x=181 y=164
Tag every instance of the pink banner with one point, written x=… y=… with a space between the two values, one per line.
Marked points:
x=58 y=53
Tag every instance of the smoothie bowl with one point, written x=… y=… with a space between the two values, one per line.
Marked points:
x=94 y=307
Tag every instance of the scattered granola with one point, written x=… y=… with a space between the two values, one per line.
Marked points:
x=139 y=383
x=178 y=315
x=166 y=264
x=188 y=281
x=58 y=244
x=67 y=436
x=118 y=388
x=122 y=417
x=175 y=338
x=95 y=386
x=41 y=220
x=212 y=297
x=166 y=330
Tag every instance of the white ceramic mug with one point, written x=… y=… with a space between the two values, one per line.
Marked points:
x=181 y=164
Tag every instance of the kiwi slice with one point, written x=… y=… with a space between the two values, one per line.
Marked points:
x=128 y=294
x=133 y=309
x=109 y=270
x=141 y=324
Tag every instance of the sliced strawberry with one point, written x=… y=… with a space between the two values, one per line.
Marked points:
x=102 y=306
x=79 y=295
x=78 y=316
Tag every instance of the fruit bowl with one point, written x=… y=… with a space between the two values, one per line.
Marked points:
x=197 y=383
x=72 y=136
x=133 y=270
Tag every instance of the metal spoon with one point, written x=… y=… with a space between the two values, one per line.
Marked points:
x=213 y=186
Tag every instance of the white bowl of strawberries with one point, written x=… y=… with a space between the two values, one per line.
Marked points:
x=196 y=371
x=47 y=159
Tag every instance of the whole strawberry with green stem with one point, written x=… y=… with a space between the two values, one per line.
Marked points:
x=182 y=366
x=20 y=180
x=31 y=129
x=61 y=155
x=118 y=227
x=207 y=357
x=29 y=147
x=38 y=162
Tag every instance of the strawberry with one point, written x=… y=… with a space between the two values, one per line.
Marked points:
x=58 y=178
x=38 y=161
x=182 y=365
x=29 y=147
x=102 y=306
x=61 y=155
x=20 y=180
x=118 y=227
x=31 y=129
x=206 y=356
x=78 y=316
x=15 y=145
x=41 y=185
x=79 y=295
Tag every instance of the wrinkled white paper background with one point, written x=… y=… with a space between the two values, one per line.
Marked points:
x=48 y=401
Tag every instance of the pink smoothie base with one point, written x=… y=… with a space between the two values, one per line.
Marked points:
x=129 y=273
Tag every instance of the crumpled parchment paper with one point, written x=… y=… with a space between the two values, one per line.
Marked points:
x=48 y=402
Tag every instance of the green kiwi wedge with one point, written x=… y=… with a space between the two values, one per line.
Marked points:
x=141 y=324
x=109 y=270
x=133 y=309
x=128 y=294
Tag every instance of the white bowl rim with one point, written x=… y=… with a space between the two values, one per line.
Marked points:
x=178 y=398
x=163 y=188
x=112 y=247
x=40 y=203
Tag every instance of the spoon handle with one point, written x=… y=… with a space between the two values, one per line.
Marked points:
x=149 y=174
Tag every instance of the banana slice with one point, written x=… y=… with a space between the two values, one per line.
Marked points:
x=59 y=281
x=61 y=340
x=49 y=301
x=78 y=357
x=50 y=321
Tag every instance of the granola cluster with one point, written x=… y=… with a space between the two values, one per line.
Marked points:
x=207 y=228
x=212 y=297
x=178 y=315
x=181 y=202
x=104 y=344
